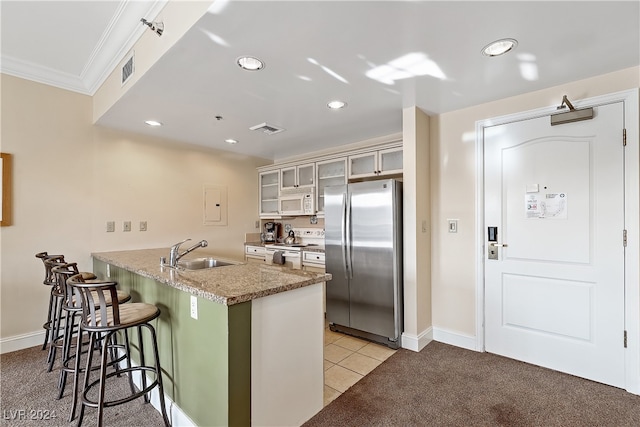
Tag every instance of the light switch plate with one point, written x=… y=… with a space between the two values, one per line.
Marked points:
x=453 y=225
x=143 y=225
x=126 y=226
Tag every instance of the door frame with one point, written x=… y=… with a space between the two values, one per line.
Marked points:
x=632 y=221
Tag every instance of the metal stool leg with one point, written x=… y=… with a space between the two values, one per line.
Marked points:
x=47 y=324
x=156 y=356
x=56 y=325
x=76 y=380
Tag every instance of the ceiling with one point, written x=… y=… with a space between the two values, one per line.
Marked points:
x=379 y=57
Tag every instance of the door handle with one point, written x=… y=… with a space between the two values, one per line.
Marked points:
x=348 y=237
x=493 y=250
x=343 y=236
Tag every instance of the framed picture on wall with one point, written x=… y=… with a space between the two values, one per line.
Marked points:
x=5 y=195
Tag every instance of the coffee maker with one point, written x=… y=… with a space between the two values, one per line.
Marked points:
x=271 y=231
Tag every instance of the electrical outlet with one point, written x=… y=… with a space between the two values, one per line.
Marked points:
x=194 y=307
x=111 y=226
x=143 y=225
x=126 y=226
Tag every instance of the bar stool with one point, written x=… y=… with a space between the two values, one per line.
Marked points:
x=100 y=319
x=54 y=298
x=54 y=313
x=72 y=308
x=58 y=327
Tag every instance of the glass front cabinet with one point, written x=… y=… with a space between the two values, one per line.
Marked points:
x=297 y=176
x=316 y=174
x=328 y=173
x=269 y=191
x=376 y=163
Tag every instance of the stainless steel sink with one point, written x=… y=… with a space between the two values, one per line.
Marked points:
x=202 y=263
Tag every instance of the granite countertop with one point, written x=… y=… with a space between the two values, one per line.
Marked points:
x=227 y=285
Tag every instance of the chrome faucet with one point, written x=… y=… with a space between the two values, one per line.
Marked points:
x=175 y=255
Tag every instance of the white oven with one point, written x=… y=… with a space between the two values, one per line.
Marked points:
x=292 y=255
x=297 y=201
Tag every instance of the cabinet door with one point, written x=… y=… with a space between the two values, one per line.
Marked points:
x=297 y=176
x=390 y=161
x=288 y=178
x=306 y=175
x=328 y=173
x=269 y=190
x=363 y=165
x=376 y=163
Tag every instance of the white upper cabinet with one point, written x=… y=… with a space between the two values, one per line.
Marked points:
x=314 y=174
x=297 y=176
x=328 y=173
x=376 y=163
x=269 y=192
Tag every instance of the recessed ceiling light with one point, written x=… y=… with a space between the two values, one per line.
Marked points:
x=336 y=105
x=153 y=123
x=499 y=47
x=231 y=141
x=250 y=63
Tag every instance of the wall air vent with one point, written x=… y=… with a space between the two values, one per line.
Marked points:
x=267 y=128
x=127 y=69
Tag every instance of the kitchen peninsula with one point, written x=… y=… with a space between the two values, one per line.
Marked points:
x=248 y=351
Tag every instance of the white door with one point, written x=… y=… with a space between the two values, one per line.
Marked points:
x=554 y=296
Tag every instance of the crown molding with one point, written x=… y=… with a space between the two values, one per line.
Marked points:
x=119 y=37
x=38 y=73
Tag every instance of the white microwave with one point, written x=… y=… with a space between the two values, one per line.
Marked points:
x=297 y=201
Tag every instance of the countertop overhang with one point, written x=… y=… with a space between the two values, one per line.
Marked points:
x=226 y=285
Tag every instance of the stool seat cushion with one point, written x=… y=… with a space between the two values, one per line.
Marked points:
x=87 y=275
x=131 y=314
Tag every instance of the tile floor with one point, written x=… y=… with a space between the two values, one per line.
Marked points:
x=348 y=359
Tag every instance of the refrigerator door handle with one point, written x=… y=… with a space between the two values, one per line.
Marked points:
x=343 y=235
x=348 y=236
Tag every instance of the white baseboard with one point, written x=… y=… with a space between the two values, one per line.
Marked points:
x=417 y=342
x=454 y=338
x=177 y=417
x=20 y=342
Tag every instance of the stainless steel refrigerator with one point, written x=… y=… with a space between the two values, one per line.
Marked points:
x=363 y=252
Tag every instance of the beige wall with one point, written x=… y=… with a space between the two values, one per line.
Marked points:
x=70 y=177
x=453 y=174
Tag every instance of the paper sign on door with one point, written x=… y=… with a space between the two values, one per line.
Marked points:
x=549 y=206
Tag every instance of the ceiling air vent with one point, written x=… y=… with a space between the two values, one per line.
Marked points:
x=127 y=69
x=267 y=128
